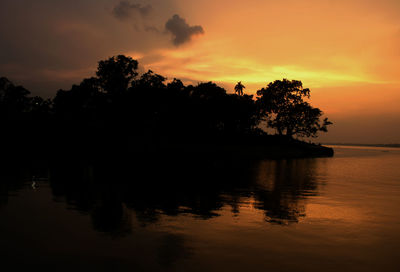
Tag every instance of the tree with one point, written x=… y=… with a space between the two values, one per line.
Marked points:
x=282 y=105
x=208 y=90
x=116 y=74
x=239 y=88
x=241 y=115
x=39 y=106
x=82 y=102
x=150 y=80
x=14 y=99
x=176 y=85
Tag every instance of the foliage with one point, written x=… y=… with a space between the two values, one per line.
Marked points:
x=116 y=74
x=13 y=99
x=239 y=88
x=282 y=104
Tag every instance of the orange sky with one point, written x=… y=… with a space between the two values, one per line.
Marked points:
x=346 y=51
x=323 y=43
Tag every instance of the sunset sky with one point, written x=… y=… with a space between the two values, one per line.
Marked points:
x=346 y=51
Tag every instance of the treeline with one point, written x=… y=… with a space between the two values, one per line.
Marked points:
x=119 y=107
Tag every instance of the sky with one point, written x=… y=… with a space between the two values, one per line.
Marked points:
x=346 y=51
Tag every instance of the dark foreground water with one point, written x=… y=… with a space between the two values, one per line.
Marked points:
x=325 y=214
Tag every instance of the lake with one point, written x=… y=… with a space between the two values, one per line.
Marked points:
x=322 y=214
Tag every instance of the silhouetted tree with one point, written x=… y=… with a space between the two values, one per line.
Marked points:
x=40 y=105
x=241 y=115
x=116 y=74
x=239 y=88
x=304 y=121
x=208 y=90
x=176 y=85
x=82 y=103
x=14 y=101
x=40 y=110
x=150 y=80
x=208 y=110
x=282 y=104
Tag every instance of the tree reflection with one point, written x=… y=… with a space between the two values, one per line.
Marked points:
x=138 y=190
x=283 y=188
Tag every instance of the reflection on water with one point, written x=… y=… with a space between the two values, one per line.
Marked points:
x=283 y=187
x=198 y=214
x=110 y=195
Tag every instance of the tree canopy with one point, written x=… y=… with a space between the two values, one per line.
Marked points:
x=116 y=73
x=282 y=105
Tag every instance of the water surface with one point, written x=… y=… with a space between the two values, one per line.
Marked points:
x=324 y=214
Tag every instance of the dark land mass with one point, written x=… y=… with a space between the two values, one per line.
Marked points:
x=119 y=114
x=260 y=147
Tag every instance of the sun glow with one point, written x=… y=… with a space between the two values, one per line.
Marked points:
x=191 y=64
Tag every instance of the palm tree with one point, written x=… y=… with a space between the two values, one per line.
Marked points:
x=239 y=88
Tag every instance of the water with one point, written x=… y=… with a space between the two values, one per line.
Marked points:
x=329 y=214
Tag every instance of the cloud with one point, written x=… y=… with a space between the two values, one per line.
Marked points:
x=124 y=10
x=141 y=17
x=181 y=31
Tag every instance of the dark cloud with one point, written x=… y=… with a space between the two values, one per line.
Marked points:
x=181 y=31
x=124 y=10
x=143 y=19
x=137 y=15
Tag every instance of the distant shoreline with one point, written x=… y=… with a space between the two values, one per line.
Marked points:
x=367 y=145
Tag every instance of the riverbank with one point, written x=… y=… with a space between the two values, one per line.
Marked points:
x=246 y=147
x=291 y=150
